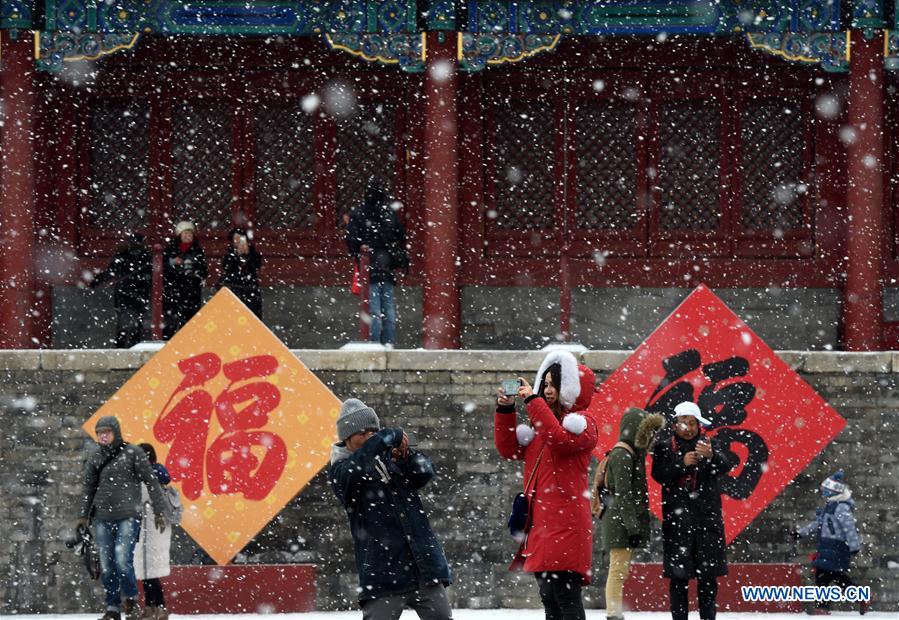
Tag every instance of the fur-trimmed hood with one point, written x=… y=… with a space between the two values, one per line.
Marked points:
x=578 y=381
x=638 y=427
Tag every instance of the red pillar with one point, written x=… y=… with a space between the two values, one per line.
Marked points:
x=862 y=294
x=565 y=295
x=17 y=196
x=440 y=293
x=156 y=293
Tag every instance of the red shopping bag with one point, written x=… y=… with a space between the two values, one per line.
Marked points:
x=356 y=286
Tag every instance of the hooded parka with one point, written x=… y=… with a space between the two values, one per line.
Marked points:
x=691 y=506
x=835 y=533
x=113 y=491
x=628 y=513
x=561 y=534
x=396 y=549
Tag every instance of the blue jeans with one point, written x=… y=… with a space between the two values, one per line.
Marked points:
x=382 y=310
x=115 y=542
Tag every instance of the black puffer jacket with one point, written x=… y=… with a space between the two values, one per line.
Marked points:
x=240 y=273
x=376 y=225
x=396 y=550
x=691 y=507
x=132 y=270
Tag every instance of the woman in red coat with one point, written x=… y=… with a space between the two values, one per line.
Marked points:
x=559 y=441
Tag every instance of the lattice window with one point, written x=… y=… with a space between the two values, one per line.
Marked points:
x=772 y=165
x=606 y=166
x=366 y=150
x=689 y=169
x=202 y=162
x=523 y=156
x=119 y=161
x=284 y=166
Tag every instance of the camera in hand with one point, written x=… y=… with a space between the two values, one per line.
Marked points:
x=510 y=387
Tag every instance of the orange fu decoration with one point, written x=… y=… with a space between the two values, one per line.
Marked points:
x=241 y=424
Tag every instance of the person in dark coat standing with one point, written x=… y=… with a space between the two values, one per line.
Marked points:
x=625 y=523
x=114 y=472
x=377 y=476
x=689 y=466
x=183 y=272
x=240 y=270
x=132 y=271
x=375 y=228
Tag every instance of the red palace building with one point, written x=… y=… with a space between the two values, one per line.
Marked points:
x=570 y=148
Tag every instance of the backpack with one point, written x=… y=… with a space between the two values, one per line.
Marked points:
x=602 y=494
x=174 y=508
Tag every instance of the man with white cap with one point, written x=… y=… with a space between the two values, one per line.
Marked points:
x=689 y=466
x=376 y=476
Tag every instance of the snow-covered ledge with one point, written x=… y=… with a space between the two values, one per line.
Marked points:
x=419 y=359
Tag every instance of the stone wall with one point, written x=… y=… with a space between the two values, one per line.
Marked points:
x=607 y=318
x=446 y=400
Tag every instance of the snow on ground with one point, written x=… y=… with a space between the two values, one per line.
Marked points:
x=487 y=614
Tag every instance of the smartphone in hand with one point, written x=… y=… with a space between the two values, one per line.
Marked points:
x=510 y=387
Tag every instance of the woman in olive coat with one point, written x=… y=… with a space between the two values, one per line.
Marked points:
x=625 y=523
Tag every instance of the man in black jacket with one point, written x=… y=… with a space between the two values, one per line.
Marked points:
x=377 y=476
x=375 y=228
x=132 y=270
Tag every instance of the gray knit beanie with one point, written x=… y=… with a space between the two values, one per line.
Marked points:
x=355 y=417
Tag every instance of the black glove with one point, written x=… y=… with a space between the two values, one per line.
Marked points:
x=795 y=535
x=634 y=541
x=159 y=520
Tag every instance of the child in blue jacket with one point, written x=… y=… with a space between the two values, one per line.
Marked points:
x=836 y=536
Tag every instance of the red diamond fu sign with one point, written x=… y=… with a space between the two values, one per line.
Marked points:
x=759 y=407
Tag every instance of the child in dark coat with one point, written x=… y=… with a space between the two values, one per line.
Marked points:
x=836 y=536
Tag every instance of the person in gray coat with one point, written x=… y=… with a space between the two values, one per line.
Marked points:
x=111 y=501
